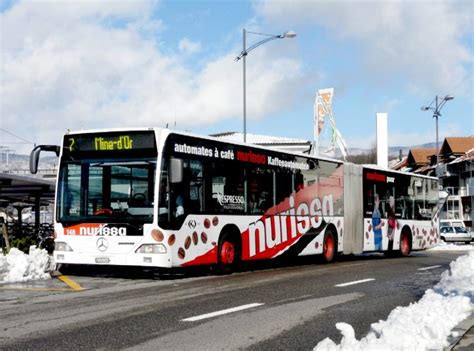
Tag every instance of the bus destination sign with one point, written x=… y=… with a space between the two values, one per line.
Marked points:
x=121 y=142
x=112 y=142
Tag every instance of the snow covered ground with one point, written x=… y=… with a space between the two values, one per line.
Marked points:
x=20 y=267
x=424 y=325
x=442 y=246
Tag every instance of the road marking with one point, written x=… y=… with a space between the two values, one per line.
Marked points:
x=71 y=283
x=219 y=313
x=355 y=282
x=426 y=268
x=33 y=289
x=298 y=298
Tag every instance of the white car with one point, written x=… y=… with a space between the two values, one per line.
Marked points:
x=452 y=232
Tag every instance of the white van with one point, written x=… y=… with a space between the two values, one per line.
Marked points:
x=454 y=230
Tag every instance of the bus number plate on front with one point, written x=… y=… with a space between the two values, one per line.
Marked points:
x=102 y=260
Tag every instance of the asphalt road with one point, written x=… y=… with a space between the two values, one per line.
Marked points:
x=283 y=306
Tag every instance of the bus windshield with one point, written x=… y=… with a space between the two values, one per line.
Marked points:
x=106 y=191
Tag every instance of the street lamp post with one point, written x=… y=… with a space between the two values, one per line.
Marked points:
x=243 y=56
x=436 y=113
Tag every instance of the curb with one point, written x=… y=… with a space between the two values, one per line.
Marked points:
x=464 y=339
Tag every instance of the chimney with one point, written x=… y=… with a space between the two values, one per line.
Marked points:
x=382 y=140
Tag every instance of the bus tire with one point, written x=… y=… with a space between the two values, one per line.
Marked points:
x=228 y=254
x=405 y=244
x=329 y=247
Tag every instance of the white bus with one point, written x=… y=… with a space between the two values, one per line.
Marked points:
x=160 y=198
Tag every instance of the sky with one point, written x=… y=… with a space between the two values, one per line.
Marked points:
x=84 y=64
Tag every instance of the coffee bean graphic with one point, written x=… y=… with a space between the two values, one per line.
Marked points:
x=171 y=240
x=195 y=238
x=157 y=235
x=181 y=253
x=187 y=242
x=204 y=237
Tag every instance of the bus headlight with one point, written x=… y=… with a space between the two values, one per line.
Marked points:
x=152 y=249
x=62 y=246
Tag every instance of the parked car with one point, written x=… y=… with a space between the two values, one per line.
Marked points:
x=452 y=231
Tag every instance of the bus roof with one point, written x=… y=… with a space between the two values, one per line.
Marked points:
x=164 y=132
x=378 y=168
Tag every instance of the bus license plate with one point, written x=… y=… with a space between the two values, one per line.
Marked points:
x=102 y=260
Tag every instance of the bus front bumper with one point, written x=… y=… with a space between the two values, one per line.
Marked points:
x=135 y=259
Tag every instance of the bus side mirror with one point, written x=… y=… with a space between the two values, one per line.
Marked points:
x=176 y=170
x=34 y=158
x=35 y=154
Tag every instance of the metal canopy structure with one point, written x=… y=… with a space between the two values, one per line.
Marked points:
x=22 y=192
x=15 y=189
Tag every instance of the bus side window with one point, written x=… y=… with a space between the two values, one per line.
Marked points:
x=432 y=198
x=263 y=178
x=418 y=209
x=400 y=208
x=284 y=184
x=227 y=188
x=252 y=206
x=299 y=181
x=196 y=188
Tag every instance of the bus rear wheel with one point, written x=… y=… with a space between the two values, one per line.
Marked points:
x=228 y=254
x=405 y=244
x=329 y=247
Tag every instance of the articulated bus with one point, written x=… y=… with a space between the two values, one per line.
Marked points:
x=160 y=198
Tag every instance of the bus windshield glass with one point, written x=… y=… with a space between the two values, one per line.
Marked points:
x=106 y=191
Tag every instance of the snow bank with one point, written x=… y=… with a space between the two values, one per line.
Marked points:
x=19 y=267
x=459 y=279
x=442 y=246
x=423 y=325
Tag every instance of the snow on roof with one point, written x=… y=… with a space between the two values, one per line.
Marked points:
x=259 y=139
x=469 y=155
x=424 y=169
x=398 y=164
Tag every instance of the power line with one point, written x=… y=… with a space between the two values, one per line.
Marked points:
x=17 y=136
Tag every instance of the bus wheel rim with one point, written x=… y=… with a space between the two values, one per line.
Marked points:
x=227 y=253
x=328 y=247
x=404 y=244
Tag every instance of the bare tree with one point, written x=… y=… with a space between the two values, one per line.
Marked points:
x=369 y=157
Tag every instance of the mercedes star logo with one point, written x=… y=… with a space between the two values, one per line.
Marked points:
x=102 y=244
